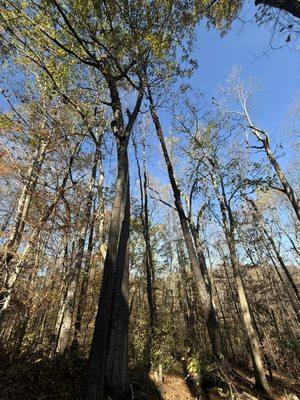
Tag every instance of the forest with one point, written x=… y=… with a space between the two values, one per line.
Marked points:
x=150 y=223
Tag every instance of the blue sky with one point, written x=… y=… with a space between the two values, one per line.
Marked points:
x=244 y=46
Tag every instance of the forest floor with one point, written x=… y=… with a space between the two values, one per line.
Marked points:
x=175 y=388
x=64 y=379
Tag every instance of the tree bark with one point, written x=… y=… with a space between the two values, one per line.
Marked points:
x=108 y=360
x=108 y=357
x=144 y=216
x=83 y=289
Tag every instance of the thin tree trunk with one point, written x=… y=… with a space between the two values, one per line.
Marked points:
x=84 y=288
x=15 y=237
x=225 y=323
x=69 y=301
x=101 y=205
x=188 y=305
x=144 y=216
x=283 y=282
x=274 y=247
x=286 y=186
x=11 y=278
x=198 y=265
x=228 y=223
x=212 y=319
x=69 y=304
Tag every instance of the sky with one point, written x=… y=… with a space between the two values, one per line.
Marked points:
x=244 y=46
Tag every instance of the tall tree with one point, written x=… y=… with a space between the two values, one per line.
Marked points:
x=242 y=91
x=229 y=228
x=198 y=263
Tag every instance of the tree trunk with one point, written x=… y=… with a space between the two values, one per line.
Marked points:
x=259 y=372
x=225 y=324
x=295 y=307
x=69 y=304
x=228 y=223
x=5 y=295
x=149 y=271
x=276 y=251
x=108 y=360
x=286 y=187
x=101 y=207
x=107 y=373
x=24 y=202
x=83 y=289
x=212 y=318
x=144 y=216
x=69 y=301
x=188 y=302
x=197 y=265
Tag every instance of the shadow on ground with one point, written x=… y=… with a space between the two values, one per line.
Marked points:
x=61 y=378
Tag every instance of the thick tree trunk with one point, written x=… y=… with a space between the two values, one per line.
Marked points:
x=197 y=264
x=108 y=361
x=107 y=372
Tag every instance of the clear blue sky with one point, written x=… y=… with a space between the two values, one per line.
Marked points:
x=243 y=45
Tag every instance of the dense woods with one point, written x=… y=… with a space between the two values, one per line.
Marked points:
x=150 y=237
